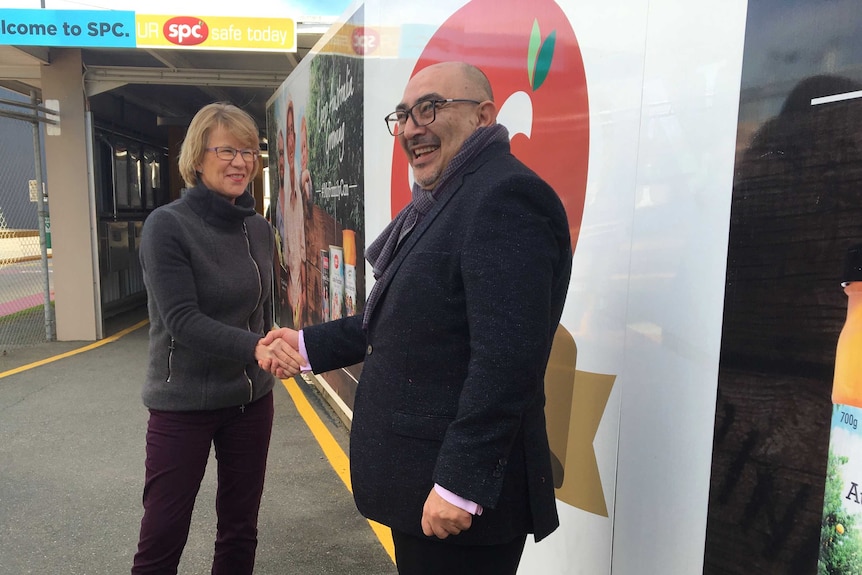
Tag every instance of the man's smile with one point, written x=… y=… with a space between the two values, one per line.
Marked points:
x=422 y=150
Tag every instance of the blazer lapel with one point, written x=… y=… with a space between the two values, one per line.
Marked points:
x=410 y=241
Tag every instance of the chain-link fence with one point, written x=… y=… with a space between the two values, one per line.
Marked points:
x=24 y=273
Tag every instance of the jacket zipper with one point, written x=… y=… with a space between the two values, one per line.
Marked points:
x=257 y=304
x=171 y=349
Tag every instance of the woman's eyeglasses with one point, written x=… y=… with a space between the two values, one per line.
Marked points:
x=227 y=153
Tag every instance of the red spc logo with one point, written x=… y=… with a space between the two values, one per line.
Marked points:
x=186 y=30
x=364 y=40
x=530 y=54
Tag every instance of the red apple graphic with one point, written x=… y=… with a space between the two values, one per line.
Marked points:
x=530 y=54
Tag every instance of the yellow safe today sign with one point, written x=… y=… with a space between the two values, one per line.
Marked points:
x=215 y=33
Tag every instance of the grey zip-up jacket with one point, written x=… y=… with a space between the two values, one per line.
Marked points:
x=208 y=272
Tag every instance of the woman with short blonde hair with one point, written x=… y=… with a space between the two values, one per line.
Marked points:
x=207 y=261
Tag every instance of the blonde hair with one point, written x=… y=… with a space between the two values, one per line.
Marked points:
x=219 y=114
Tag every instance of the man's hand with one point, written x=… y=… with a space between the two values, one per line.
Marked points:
x=442 y=519
x=276 y=353
x=289 y=335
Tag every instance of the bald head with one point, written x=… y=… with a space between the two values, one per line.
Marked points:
x=467 y=78
x=477 y=78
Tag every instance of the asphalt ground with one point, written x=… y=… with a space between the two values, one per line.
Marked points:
x=72 y=432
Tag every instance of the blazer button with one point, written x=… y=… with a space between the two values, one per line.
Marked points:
x=369 y=349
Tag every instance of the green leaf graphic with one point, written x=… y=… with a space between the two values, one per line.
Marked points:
x=543 y=62
x=533 y=50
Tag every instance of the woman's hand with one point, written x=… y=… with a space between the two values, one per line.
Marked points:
x=277 y=353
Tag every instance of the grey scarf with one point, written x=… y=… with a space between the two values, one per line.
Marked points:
x=381 y=251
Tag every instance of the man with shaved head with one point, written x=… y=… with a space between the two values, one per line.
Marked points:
x=448 y=443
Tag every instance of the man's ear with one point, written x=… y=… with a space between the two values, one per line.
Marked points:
x=487 y=113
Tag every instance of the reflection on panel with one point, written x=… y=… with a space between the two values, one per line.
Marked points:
x=128 y=176
x=796 y=209
x=118 y=245
x=121 y=179
x=135 y=167
x=129 y=185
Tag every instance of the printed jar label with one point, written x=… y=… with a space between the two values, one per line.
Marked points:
x=841 y=526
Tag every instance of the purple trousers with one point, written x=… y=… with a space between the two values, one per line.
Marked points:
x=178 y=446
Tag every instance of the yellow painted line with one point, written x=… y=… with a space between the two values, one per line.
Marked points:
x=336 y=456
x=94 y=345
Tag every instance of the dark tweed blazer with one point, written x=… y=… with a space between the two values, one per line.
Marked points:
x=455 y=354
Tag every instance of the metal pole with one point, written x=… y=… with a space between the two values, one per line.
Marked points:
x=94 y=229
x=50 y=334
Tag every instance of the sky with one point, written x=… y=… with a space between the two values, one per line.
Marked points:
x=788 y=40
x=275 y=8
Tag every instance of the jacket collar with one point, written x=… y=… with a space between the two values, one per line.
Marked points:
x=216 y=210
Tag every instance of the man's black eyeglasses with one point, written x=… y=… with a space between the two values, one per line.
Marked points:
x=422 y=113
x=227 y=153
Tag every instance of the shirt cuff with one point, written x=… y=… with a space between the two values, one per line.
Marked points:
x=305 y=367
x=457 y=500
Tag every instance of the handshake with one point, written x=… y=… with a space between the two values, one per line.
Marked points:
x=277 y=352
